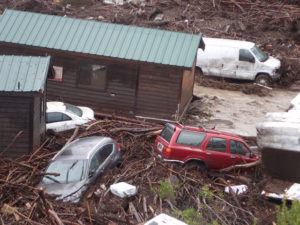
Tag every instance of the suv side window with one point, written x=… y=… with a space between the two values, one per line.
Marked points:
x=246 y=56
x=217 y=144
x=167 y=133
x=190 y=138
x=237 y=147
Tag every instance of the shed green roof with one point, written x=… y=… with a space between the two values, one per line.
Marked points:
x=98 y=38
x=23 y=73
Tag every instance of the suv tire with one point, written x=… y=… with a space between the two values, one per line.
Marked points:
x=195 y=166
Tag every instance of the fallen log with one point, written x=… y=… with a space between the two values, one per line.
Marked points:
x=241 y=166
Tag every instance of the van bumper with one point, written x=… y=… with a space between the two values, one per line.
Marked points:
x=276 y=76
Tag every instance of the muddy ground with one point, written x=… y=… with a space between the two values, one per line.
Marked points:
x=234 y=111
x=274 y=25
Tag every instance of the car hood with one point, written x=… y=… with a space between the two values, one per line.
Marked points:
x=64 y=190
x=87 y=113
x=272 y=62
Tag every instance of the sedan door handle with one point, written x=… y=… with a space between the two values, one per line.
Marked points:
x=233 y=157
x=208 y=153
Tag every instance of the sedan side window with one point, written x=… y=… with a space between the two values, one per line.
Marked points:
x=53 y=117
x=237 y=147
x=105 y=151
x=217 y=144
x=246 y=56
x=95 y=163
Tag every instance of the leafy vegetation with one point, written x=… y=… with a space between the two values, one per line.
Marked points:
x=287 y=216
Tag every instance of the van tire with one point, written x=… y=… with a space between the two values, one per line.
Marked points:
x=264 y=79
x=196 y=166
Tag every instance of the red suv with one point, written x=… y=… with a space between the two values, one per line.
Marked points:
x=210 y=149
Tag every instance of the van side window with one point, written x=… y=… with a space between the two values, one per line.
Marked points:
x=246 y=56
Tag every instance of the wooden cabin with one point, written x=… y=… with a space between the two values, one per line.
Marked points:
x=23 y=103
x=111 y=68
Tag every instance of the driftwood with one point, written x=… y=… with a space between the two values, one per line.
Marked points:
x=241 y=166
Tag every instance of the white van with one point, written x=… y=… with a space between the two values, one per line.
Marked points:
x=237 y=59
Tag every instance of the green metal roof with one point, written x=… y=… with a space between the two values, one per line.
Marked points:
x=23 y=73
x=98 y=38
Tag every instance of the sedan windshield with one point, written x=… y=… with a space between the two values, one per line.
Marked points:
x=73 y=109
x=65 y=171
x=260 y=55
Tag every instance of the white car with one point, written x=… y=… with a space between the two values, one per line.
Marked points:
x=63 y=116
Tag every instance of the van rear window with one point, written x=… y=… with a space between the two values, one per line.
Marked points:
x=190 y=138
x=167 y=133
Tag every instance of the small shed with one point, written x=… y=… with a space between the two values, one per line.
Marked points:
x=111 y=68
x=22 y=100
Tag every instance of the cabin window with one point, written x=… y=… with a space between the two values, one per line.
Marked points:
x=92 y=76
x=56 y=73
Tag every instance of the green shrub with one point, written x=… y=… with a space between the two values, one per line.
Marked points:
x=191 y=217
x=287 y=216
x=166 y=190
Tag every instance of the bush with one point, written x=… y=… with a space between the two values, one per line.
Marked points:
x=287 y=216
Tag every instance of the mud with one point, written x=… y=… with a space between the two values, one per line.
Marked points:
x=235 y=111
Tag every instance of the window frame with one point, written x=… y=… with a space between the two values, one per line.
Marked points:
x=242 y=58
x=89 y=86
x=188 y=131
x=213 y=137
x=63 y=114
x=53 y=73
x=247 y=150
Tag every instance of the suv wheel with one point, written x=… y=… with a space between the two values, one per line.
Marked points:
x=195 y=166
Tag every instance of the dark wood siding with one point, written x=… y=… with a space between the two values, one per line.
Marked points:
x=186 y=88
x=118 y=97
x=120 y=92
x=158 y=91
x=15 y=116
x=138 y=88
x=39 y=126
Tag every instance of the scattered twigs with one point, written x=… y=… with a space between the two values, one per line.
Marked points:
x=73 y=136
x=38 y=149
x=135 y=213
x=54 y=215
x=241 y=166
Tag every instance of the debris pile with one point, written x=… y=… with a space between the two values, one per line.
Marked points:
x=161 y=187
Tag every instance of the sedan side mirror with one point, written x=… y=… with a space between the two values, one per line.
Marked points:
x=91 y=173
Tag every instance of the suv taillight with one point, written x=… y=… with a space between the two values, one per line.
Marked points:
x=168 y=151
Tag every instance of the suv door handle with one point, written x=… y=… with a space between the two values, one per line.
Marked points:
x=233 y=157
x=208 y=153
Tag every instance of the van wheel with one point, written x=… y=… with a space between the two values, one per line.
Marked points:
x=196 y=166
x=264 y=79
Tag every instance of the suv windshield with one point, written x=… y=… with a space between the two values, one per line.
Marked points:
x=73 y=109
x=167 y=132
x=260 y=55
x=68 y=171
